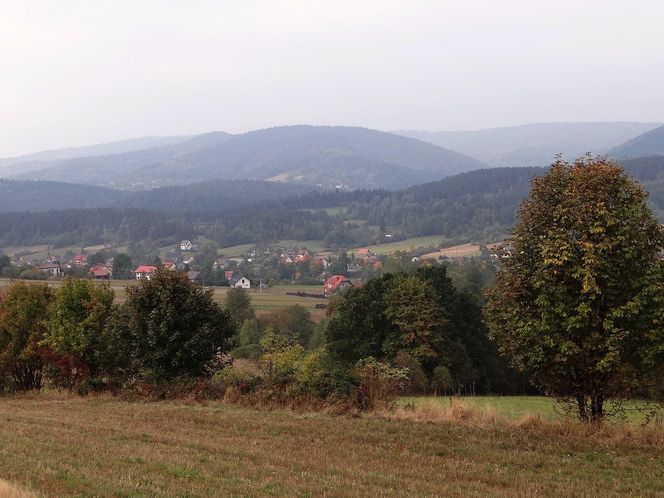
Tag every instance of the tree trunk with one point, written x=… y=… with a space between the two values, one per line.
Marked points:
x=597 y=408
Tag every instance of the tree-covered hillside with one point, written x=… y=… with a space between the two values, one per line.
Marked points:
x=316 y=155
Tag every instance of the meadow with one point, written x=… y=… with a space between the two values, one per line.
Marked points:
x=57 y=445
x=518 y=407
x=263 y=301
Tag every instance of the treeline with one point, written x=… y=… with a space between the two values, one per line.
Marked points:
x=170 y=336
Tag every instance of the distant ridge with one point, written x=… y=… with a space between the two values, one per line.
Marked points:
x=535 y=144
x=316 y=155
x=650 y=143
x=27 y=162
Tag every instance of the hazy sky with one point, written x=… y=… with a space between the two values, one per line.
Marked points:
x=81 y=72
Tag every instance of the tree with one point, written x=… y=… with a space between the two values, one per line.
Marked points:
x=174 y=327
x=77 y=321
x=23 y=311
x=238 y=304
x=122 y=266
x=580 y=304
x=411 y=306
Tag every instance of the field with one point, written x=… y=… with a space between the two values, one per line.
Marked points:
x=407 y=244
x=59 y=446
x=460 y=251
x=516 y=407
x=270 y=299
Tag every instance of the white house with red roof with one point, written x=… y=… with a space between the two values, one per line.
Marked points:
x=335 y=284
x=145 y=272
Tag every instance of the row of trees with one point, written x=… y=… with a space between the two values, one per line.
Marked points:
x=167 y=328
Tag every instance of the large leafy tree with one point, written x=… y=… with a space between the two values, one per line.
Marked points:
x=77 y=322
x=23 y=312
x=173 y=327
x=580 y=304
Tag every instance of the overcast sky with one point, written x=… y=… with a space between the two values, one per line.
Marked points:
x=83 y=72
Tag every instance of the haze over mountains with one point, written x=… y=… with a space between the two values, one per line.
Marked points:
x=535 y=144
x=314 y=155
x=324 y=156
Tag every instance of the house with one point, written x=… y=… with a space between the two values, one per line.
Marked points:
x=52 y=269
x=169 y=264
x=228 y=275
x=195 y=276
x=186 y=246
x=80 y=260
x=242 y=283
x=100 y=272
x=144 y=272
x=336 y=284
x=364 y=252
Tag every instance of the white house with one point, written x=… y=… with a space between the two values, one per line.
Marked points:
x=243 y=283
x=186 y=245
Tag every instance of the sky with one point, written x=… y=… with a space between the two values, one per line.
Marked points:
x=81 y=72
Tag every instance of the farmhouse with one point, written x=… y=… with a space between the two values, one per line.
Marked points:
x=80 y=260
x=186 y=246
x=52 y=269
x=99 y=272
x=336 y=284
x=144 y=272
x=242 y=283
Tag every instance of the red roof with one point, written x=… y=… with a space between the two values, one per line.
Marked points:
x=145 y=269
x=80 y=258
x=335 y=281
x=100 y=271
x=363 y=252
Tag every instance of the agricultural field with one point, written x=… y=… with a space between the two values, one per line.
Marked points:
x=55 y=445
x=407 y=244
x=458 y=251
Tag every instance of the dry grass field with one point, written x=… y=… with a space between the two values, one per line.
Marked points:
x=460 y=251
x=58 y=446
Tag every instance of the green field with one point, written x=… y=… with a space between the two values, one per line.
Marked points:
x=517 y=407
x=408 y=244
x=59 y=446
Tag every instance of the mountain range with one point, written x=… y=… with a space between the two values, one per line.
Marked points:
x=315 y=155
x=535 y=144
x=326 y=156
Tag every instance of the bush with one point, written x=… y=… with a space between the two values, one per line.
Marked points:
x=417 y=381
x=377 y=383
x=237 y=378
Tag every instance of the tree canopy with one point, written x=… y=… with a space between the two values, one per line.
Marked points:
x=580 y=304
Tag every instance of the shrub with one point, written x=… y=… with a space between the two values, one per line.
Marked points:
x=377 y=383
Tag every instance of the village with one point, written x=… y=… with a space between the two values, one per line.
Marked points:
x=258 y=267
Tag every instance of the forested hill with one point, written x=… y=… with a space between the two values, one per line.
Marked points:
x=477 y=206
x=35 y=196
x=650 y=143
x=315 y=155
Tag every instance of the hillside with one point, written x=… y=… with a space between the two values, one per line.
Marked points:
x=30 y=162
x=317 y=155
x=534 y=144
x=36 y=196
x=478 y=206
x=650 y=143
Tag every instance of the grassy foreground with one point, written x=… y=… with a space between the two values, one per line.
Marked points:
x=107 y=447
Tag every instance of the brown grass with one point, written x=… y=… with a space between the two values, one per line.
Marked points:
x=100 y=446
x=9 y=490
